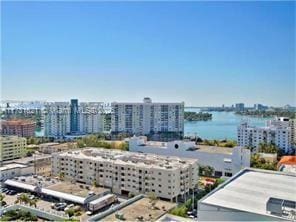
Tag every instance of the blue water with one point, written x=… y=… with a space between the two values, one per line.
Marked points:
x=222 y=126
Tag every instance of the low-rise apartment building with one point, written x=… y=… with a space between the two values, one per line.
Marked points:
x=39 y=164
x=12 y=147
x=12 y=170
x=251 y=195
x=225 y=161
x=18 y=127
x=280 y=131
x=50 y=148
x=128 y=172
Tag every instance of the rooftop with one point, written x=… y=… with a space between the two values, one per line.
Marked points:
x=198 y=148
x=131 y=158
x=214 y=149
x=75 y=192
x=76 y=189
x=17 y=122
x=27 y=160
x=251 y=189
x=288 y=160
x=12 y=166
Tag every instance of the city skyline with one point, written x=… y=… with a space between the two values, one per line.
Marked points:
x=201 y=53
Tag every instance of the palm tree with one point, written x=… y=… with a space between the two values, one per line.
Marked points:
x=23 y=198
x=33 y=202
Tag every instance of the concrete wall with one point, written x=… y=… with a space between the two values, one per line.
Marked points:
x=38 y=212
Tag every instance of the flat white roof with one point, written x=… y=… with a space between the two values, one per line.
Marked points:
x=57 y=194
x=20 y=185
x=64 y=196
x=250 y=189
x=12 y=166
x=101 y=199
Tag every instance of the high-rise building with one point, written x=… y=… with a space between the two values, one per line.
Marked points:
x=260 y=107
x=277 y=131
x=64 y=119
x=12 y=147
x=129 y=172
x=147 y=118
x=18 y=127
x=57 y=119
x=74 y=116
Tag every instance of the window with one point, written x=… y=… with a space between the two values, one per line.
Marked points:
x=227 y=174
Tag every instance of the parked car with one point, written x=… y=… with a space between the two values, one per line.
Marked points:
x=60 y=206
x=12 y=192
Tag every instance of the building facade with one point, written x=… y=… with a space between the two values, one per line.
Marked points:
x=147 y=118
x=225 y=161
x=63 y=118
x=12 y=147
x=18 y=127
x=57 y=119
x=74 y=116
x=12 y=170
x=278 y=131
x=128 y=172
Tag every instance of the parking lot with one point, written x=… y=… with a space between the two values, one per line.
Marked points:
x=42 y=204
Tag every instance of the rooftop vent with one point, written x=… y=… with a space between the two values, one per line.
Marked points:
x=281 y=207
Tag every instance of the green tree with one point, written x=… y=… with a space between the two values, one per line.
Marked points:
x=207 y=171
x=70 y=212
x=23 y=198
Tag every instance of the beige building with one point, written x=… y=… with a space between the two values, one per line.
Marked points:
x=41 y=164
x=128 y=172
x=12 y=147
x=50 y=148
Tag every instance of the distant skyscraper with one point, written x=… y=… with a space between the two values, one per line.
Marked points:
x=74 y=116
x=239 y=106
x=260 y=107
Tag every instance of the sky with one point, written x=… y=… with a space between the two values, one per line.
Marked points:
x=202 y=53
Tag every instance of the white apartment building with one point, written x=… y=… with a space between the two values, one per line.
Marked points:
x=91 y=118
x=57 y=121
x=12 y=147
x=251 y=195
x=278 y=131
x=147 y=117
x=12 y=170
x=128 y=172
x=225 y=161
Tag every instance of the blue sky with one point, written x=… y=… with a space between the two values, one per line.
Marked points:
x=203 y=53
